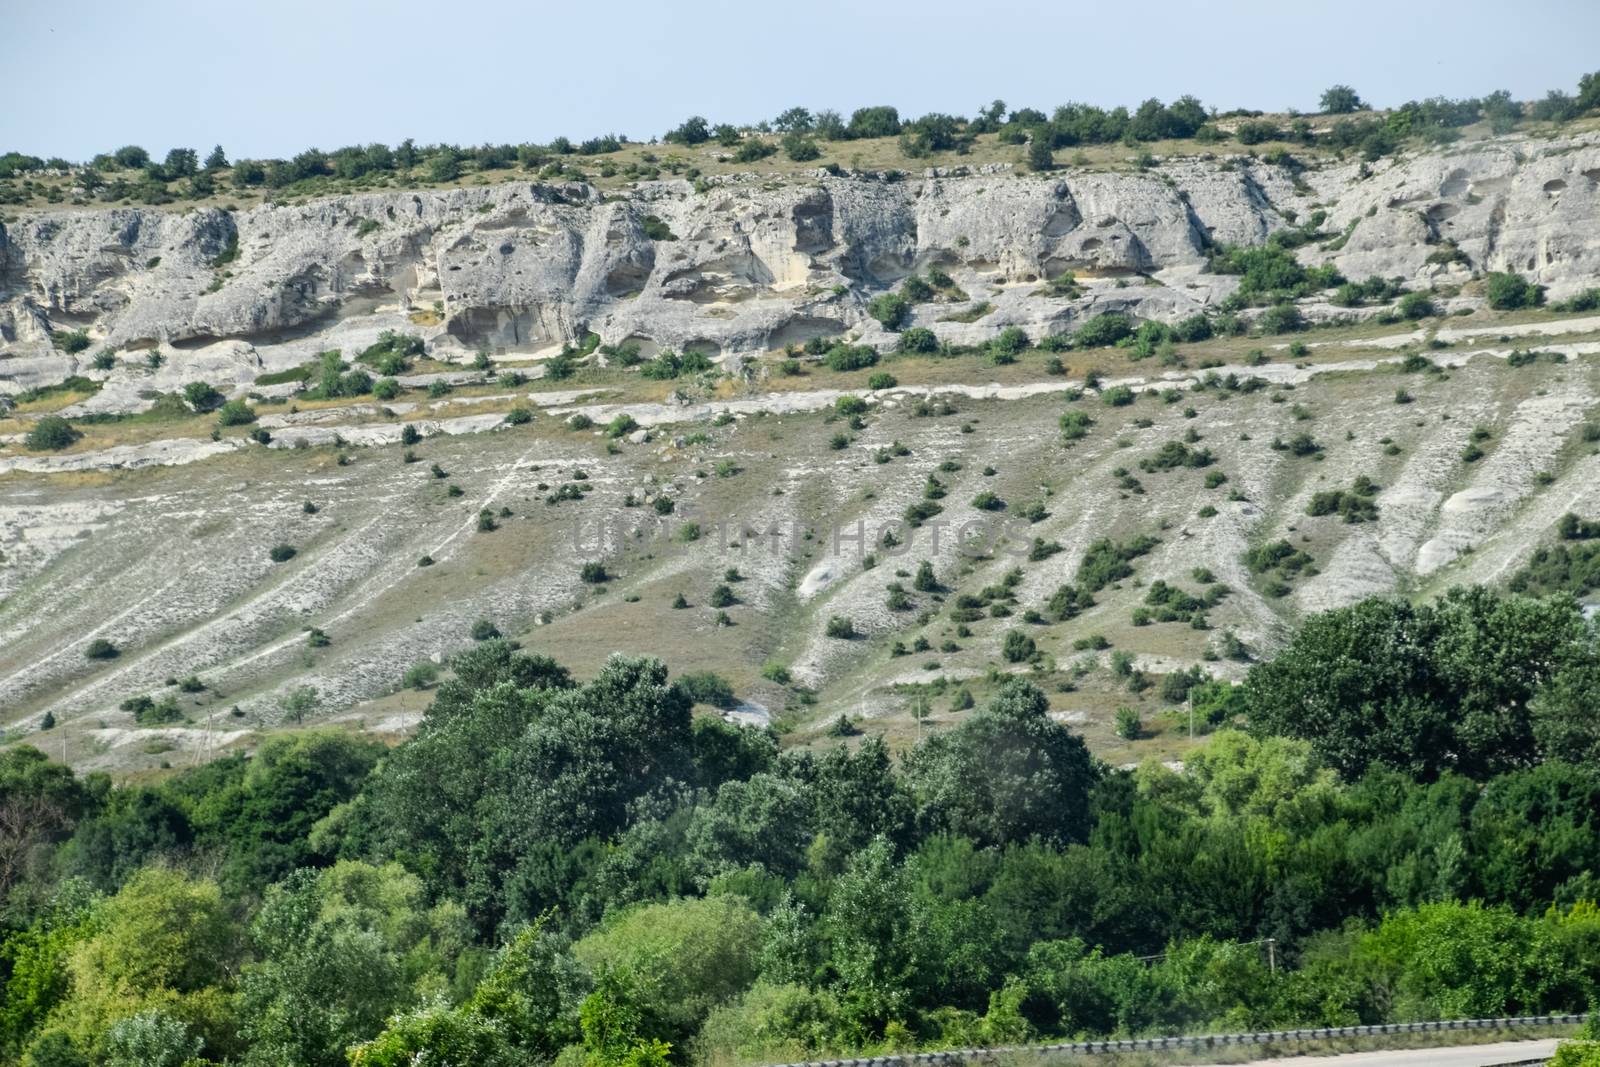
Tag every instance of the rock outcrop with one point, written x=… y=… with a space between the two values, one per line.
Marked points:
x=750 y=266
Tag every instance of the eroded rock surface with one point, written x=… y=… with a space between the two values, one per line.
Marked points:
x=525 y=267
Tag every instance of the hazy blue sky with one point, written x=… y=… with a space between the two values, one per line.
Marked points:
x=271 y=78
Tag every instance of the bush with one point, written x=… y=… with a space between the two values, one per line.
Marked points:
x=1281 y=318
x=1588 y=300
x=420 y=675
x=71 y=341
x=707 y=687
x=851 y=357
x=1108 y=561
x=800 y=148
x=593 y=573
x=1507 y=292
x=100 y=648
x=918 y=339
x=916 y=290
x=1075 y=425
x=1018 y=647
x=484 y=630
x=890 y=309
x=841 y=628
x=50 y=434
x=1129 y=726
x=1354 y=505
x=1009 y=344
x=235 y=413
x=656 y=229
x=882 y=380
x=282 y=553
x=1415 y=306
x=1104 y=329
x=385 y=389
x=1258 y=131
x=201 y=396
x=988 y=501
x=1118 y=396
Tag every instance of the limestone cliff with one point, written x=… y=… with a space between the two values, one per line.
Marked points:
x=751 y=266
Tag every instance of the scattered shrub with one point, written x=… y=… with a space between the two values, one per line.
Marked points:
x=1507 y=292
x=50 y=434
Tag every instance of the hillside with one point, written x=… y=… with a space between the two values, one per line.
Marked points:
x=535 y=406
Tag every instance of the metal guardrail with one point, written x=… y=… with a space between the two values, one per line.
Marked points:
x=1157 y=1044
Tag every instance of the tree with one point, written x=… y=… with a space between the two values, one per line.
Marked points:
x=1008 y=773
x=339 y=951
x=299 y=702
x=444 y=166
x=162 y=940
x=765 y=821
x=682 y=958
x=1342 y=100
x=180 y=163
x=150 y=1039
x=1565 y=726
x=628 y=717
x=511 y=759
x=436 y=1035
x=217 y=159
x=1422 y=689
x=269 y=817
x=1040 y=158
x=40 y=802
x=1534 y=835
x=874 y=122
x=694 y=130
x=871 y=936
x=794 y=120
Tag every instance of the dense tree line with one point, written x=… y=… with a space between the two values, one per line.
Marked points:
x=1405 y=801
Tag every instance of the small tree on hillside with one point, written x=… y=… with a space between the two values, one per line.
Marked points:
x=1342 y=100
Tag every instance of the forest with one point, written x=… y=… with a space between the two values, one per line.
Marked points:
x=1394 y=818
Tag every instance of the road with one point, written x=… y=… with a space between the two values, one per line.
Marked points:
x=1453 y=1056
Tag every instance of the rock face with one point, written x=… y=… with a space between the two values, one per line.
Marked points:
x=752 y=266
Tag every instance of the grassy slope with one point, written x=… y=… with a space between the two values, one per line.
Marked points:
x=224 y=612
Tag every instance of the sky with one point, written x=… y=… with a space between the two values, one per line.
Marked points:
x=268 y=79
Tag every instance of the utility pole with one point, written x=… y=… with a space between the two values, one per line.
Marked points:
x=1272 y=954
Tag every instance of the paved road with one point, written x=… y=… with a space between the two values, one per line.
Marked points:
x=1454 y=1056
